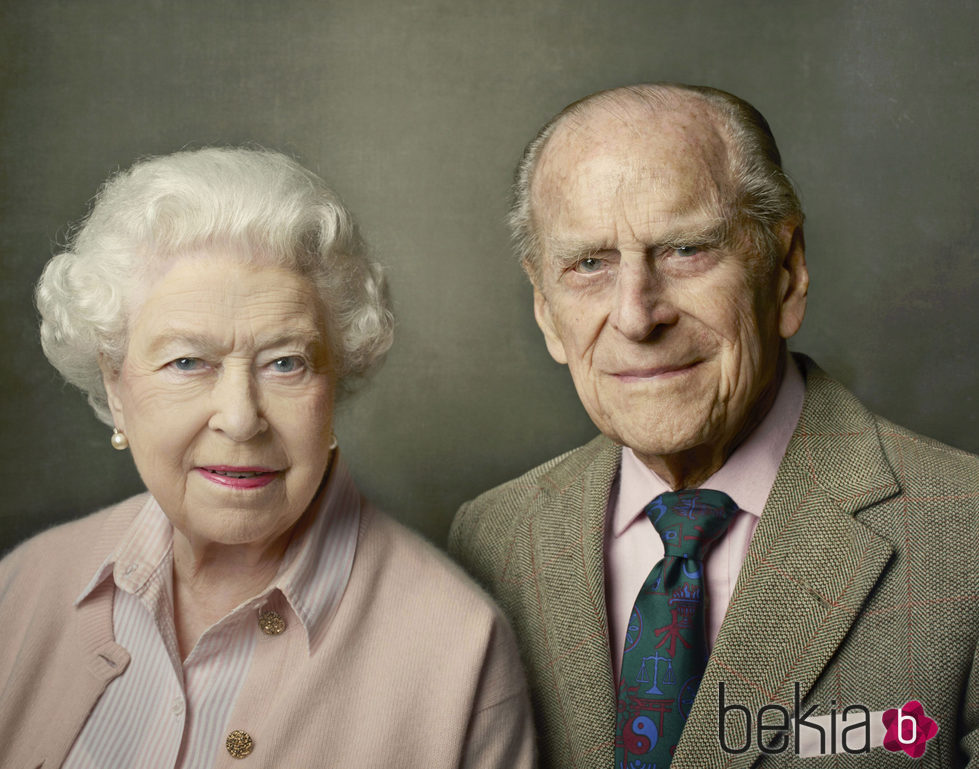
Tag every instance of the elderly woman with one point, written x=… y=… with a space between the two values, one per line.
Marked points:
x=251 y=606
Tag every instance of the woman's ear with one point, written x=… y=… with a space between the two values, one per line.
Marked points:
x=110 y=380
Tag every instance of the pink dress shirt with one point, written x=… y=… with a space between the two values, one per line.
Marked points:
x=170 y=713
x=633 y=547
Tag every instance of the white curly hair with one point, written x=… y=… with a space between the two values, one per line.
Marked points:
x=254 y=202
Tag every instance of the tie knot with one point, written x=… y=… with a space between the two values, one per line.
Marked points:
x=689 y=521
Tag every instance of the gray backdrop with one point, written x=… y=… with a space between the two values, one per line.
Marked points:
x=415 y=112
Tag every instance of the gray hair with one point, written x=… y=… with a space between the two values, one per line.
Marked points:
x=764 y=195
x=259 y=203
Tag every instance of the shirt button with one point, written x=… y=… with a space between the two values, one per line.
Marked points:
x=271 y=623
x=131 y=568
x=239 y=744
x=177 y=706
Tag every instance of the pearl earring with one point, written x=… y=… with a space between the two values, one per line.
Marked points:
x=333 y=441
x=119 y=440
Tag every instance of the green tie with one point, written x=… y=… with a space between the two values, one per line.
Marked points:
x=666 y=640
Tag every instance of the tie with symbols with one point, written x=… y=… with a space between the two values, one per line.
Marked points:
x=666 y=641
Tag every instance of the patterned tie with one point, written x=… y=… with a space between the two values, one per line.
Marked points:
x=666 y=641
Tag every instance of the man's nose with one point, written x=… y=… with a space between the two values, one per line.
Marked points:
x=641 y=301
x=236 y=405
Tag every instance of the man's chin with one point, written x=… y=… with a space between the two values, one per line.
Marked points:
x=657 y=426
x=658 y=447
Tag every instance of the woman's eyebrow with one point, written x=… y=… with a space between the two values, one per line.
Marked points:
x=200 y=342
x=174 y=336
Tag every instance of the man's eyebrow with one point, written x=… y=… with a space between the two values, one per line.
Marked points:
x=715 y=232
x=565 y=253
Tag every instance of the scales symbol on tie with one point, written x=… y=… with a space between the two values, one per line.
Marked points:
x=643 y=677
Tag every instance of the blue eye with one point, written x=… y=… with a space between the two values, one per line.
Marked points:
x=187 y=364
x=288 y=365
x=589 y=264
x=687 y=250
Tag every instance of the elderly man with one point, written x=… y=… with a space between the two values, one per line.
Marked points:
x=746 y=567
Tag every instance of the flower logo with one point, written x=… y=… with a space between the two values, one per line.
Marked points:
x=908 y=729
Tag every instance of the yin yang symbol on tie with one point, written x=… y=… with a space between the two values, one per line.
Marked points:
x=666 y=643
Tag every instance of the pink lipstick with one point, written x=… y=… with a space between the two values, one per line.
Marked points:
x=238 y=477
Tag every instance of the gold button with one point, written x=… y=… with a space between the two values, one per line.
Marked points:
x=271 y=623
x=239 y=744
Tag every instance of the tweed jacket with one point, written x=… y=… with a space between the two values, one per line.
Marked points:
x=860 y=586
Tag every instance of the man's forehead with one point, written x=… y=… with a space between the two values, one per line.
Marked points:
x=633 y=137
x=678 y=115
x=653 y=167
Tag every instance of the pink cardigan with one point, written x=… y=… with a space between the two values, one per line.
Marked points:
x=417 y=668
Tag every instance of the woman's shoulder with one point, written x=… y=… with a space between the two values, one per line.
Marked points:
x=409 y=600
x=398 y=557
x=66 y=551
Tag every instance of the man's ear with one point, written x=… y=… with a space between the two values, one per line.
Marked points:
x=542 y=313
x=793 y=278
x=110 y=379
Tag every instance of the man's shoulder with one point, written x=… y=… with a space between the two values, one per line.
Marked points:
x=414 y=566
x=494 y=516
x=921 y=447
x=549 y=477
x=905 y=486
x=924 y=465
x=835 y=415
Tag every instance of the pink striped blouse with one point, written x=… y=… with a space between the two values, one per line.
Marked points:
x=168 y=713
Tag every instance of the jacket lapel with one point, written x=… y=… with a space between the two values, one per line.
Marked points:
x=808 y=570
x=568 y=550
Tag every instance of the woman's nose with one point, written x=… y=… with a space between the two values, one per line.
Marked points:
x=237 y=409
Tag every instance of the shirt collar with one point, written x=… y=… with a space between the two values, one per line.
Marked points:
x=748 y=474
x=143 y=547
x=315 y=568
x=317 y=565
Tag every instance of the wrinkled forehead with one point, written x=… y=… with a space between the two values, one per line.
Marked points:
x=609 y=150
x=220 y=268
